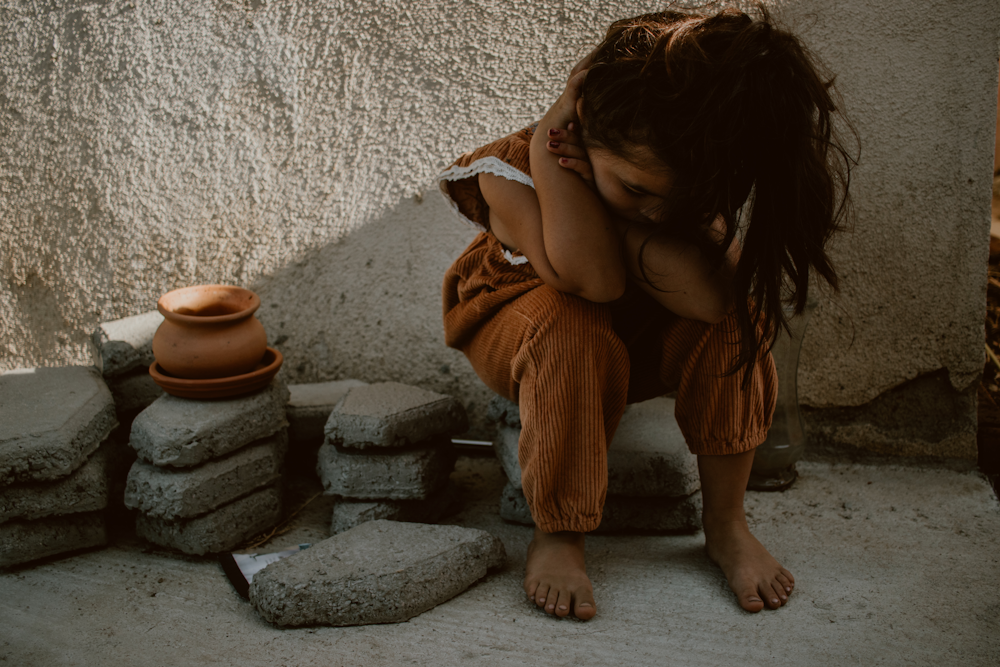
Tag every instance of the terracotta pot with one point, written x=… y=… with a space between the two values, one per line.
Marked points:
x=209 y=331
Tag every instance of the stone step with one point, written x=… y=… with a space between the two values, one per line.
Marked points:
x=51 y=420
x=126 y=344
x=379 y=572
x=647 y=458
x=173 y=493
x=349 y=513
x=309 y=408
x=414 y=473
x=390 y=414
x=86 y=489
x=183 y=432
x=223 y=529
x=25 y=541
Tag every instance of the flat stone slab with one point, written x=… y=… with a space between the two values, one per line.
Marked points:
x=51 y=420
x=125 y=344
x=86 y=489
x=221 y=530
x=172 y=493
x=401 y=474
x=25 y=541
x=308 y=410
x=669 y=514
x=379 y=572
x=647 y=458
x=134 y=391
x=390 y=414
x=350 y=513
x=183 y=432
x=310 y=405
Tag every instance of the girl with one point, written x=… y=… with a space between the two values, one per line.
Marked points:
x=641 y=239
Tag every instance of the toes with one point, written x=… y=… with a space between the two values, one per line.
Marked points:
x=750 y=600
x=530 y=587
x=563 y=602
x=770 y=595
x=584 y=607
x=780 y=592
x=788 y=575
x=784 y=583
x=541 y=595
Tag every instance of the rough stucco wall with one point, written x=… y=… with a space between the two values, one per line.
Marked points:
x=919 y=81
x=284 y=146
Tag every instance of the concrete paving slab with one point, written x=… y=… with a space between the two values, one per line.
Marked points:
x=134 y=391
x=647 y=458
x=862 y=593
x=379 y=572
x=622 y=514
x=220 y=530
x=391 y=414
x=174 y=493
x=51 y=420
x=25 y=541
x=86 y=489
x=125 y=344
x=183 y=432
x=350 y=513
x=395 y=474
x=309 y=407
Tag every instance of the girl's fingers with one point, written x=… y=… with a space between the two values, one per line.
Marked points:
x=566 y=150
x=570 y=135
x=581 y=167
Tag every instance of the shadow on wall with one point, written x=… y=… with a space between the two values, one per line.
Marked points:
x=369 y=306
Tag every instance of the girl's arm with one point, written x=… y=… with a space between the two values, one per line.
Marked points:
x=680 y=278
x=677 y=275
x=560 y=226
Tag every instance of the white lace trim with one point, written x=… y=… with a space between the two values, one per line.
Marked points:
x=515 y=261
x=487 y=165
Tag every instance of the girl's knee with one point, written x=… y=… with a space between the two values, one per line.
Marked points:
x=552 y=310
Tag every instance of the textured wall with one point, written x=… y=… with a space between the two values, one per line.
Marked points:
x=288 y=146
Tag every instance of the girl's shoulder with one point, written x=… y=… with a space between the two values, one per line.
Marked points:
x=507 y=157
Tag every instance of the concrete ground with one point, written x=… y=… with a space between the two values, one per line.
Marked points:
x=894 y=566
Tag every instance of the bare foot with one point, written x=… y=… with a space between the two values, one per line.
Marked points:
x=754 y=575
x=555 y=577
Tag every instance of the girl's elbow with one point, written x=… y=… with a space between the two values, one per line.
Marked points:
x=610 y=288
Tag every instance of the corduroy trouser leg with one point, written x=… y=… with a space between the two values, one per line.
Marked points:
x=559 y=358
x=572 y=365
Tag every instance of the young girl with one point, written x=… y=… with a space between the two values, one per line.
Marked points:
x=641 y=239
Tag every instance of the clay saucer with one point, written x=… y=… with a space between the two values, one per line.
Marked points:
x=235 y=385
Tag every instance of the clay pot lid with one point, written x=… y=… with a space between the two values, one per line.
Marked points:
x=235 y=385
x=208 y=304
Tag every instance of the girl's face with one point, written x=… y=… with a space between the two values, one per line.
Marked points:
x=633 y=188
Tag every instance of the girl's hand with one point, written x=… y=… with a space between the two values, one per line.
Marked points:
x=568 y=144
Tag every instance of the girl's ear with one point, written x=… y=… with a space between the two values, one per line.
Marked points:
x=579 y=108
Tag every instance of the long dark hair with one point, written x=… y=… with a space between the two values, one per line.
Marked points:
x=740 y=113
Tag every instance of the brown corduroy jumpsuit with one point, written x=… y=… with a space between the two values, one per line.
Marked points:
x=571 y=365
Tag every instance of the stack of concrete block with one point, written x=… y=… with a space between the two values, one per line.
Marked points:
x=124 y=351
x=309 y=408
x=56 y=461
x=388 y=454
x=208 y=475
x=653 y=483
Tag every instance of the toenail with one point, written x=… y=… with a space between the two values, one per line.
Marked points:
x=541 y=600
x=774 y=601
x=788 y=589
x=562 y=606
